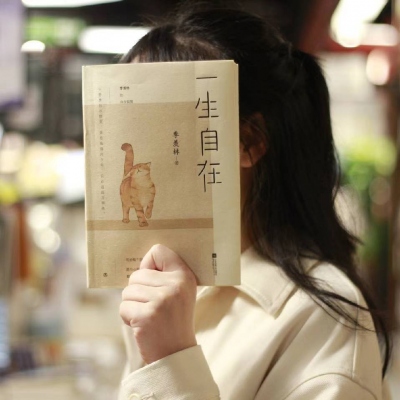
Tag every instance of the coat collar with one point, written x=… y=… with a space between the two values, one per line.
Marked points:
x=264 y=282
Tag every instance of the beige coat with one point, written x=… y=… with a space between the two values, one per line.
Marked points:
x=265 y=340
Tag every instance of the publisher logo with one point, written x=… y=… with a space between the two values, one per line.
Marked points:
x=214 y=263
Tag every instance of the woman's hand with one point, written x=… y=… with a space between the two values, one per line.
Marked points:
x=159 y=304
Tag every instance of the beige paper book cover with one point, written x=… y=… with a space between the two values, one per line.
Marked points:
x=162 y=166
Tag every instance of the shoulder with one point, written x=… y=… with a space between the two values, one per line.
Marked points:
x=313 y=341
x=268 y=284
x=332 y=279
x=272 y=289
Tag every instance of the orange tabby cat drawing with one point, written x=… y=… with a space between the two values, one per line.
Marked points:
x=137 y=190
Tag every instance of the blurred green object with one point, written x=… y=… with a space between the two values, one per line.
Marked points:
x=367 y=164
x=8 y=193
x=365 y=159
x=366 y=153
x=54 y=31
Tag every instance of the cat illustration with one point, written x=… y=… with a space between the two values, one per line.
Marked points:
x=137 y=190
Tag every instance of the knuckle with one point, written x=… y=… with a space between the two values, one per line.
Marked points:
x=160 y=297
x=177 y=290
x=124 y=293
x=123 y=312
x=133 y=277
x=122 y=308
x=156 y=248
x=148 y=321
x=132 y=322
x=191 y=279
x=155 y=309
x=139 y=333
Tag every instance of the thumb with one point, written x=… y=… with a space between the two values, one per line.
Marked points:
x=162 y=258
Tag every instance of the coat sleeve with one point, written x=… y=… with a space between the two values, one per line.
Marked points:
x=134 y=360
x=184 y=375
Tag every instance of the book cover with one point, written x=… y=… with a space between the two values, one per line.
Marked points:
x=162 y=166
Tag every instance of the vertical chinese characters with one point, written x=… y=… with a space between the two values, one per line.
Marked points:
x=207 y=108
x=122 y=92
x=210 y=111
x=211 y=180
x=101 y=148
x=209 y=141
x=175 y=147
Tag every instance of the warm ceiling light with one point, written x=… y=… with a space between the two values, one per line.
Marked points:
x=33 y=46
x=374 y=35
x=350 y=17
x=63 y=3
x=379 y=35
x=108 y=39
x=378 y=67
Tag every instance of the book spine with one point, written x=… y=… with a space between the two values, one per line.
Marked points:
x=88 y=88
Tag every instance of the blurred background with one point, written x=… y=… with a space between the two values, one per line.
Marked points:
x=60 y=340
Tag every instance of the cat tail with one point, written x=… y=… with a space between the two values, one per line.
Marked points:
x=128 y=165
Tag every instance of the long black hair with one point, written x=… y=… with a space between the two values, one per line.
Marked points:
x=290 y=212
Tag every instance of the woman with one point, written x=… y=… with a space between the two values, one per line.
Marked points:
x=298 y=327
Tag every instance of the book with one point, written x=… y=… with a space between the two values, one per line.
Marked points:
x=162 y=166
